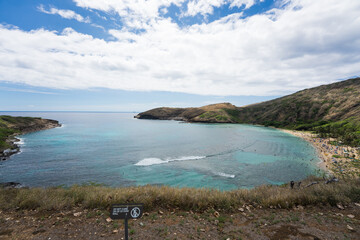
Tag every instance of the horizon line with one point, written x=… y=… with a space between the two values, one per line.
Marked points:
x=78 y=111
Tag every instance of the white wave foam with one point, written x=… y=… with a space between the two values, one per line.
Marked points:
x=156 y=161
x=20 y=142
x=187 y=158
x=150 y=161
x=225 y=175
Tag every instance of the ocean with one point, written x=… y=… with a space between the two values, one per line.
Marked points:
x=115 y=149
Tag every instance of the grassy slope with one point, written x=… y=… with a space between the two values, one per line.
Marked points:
x=10 y=125
x=332 y=110
x=5 y=131
x=333 y=102
x=92 y=196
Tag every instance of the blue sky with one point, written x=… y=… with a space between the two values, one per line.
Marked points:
x=113 y=55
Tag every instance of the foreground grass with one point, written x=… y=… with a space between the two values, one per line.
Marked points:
x=154 y=197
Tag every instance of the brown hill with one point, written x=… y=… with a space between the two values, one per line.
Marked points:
x=210 y=113
x=333 y=102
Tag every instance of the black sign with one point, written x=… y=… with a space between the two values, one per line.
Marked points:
x=126 y=211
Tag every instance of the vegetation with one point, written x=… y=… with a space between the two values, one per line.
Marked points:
x=154 y=197
x=4 y=134
x=218 y=116
x=331 y=110
x=347 y=131
x=11 y=125
x=5 y=131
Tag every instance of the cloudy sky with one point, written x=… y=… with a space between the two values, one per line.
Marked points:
x=131 y=55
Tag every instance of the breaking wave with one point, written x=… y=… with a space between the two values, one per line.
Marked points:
x=225 y=175
x=156 y=161
x=20 y=142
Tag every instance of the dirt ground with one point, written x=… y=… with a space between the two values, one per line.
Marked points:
x=246 y=223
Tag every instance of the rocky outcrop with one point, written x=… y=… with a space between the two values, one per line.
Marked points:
x=8 y=185
x=10 y=127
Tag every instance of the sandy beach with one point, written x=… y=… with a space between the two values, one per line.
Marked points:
x=338 y=160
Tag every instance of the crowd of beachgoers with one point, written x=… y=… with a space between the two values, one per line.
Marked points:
x=337 y=159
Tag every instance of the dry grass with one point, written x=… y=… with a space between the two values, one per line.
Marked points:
x=153 y=197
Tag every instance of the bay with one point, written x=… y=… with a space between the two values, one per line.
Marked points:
x=116 y=149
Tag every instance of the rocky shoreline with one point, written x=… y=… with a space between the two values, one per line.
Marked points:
x=12 y=140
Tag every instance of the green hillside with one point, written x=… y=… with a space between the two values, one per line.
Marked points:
x=16 y=125
x=332 y=110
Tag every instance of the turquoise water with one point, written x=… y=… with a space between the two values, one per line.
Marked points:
x=117 y=150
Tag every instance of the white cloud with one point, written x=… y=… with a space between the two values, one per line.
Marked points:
x=305 y=44
x=136 y=13
x=68 y=14
x=246 y=3
x=206 y=7
x=202 y=7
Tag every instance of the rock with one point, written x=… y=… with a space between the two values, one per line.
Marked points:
x=141 y=224
x=339 y=206
x=321 y=214
x=357 y=204
x=339 y=214
x=248 y=208
x=77 y=214
x=202 y=230
x=115 y=231
x=241 y=209
x=350 y=228
x=160 y=212
x=10 y=185
x=108 y=220
x=351 y=216
x=216 y=214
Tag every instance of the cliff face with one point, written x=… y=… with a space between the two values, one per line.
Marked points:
x=11 y=126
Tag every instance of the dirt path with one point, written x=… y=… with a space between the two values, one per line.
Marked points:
x=300 y=223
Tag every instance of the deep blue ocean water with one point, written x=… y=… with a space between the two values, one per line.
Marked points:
x=117 y=150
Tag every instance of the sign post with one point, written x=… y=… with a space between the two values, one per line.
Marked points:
x=126 y=211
